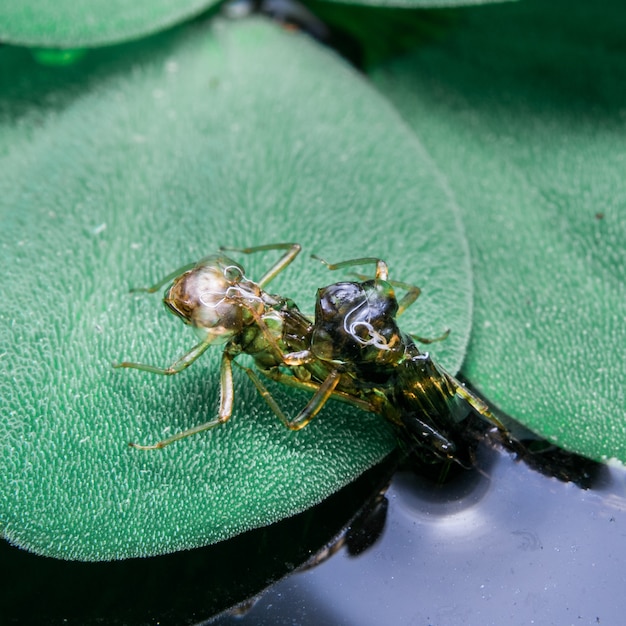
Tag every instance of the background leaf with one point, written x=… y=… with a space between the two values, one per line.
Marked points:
x=420 y=4
x=368 y=34
x=88 y=23
x=523 y=108
x=75 y=23
x=135 y=161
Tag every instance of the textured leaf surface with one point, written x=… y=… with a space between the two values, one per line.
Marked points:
x=523 y=109
x=74 y=23
x=138 y=160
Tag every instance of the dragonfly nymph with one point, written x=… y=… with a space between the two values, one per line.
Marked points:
x=356 y=329
x=352 y=351
x=226 y=308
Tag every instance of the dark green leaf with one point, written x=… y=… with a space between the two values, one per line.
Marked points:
x=370 y=34
x=523 y=108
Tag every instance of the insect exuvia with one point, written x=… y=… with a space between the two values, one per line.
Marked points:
x=224 y=307
x=353 y=350
x=356 y=331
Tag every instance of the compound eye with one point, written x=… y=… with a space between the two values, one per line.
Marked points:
x=233 y=273
x=174 y=309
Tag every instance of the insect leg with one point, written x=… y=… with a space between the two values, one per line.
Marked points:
x=412 y=291
x=382 y=270
x=292 y=381
x=473 y=400
x=441 y=337
x=293 y=249
x=428 y=436
x=313 y=407
x=167 y=279
x=178 y=366
x=226 y=408
x=412 y=294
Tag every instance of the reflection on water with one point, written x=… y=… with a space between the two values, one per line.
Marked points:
x=500 y=544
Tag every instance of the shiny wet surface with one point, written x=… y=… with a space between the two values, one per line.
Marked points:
x=499 y=544
x=504 y=546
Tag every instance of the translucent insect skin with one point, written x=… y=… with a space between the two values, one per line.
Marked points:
x=226 y=308
x=353 y=351
x=356 y=333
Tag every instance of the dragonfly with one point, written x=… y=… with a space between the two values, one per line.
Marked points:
x=352 y=350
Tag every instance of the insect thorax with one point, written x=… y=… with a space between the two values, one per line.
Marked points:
x=355 y=325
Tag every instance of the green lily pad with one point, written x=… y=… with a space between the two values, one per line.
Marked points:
x=523 y=109
x=140 y=160
x=73 y=23
x=89 y=23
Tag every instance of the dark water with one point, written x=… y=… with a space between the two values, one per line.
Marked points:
x=501 y=544
x=508 y=546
